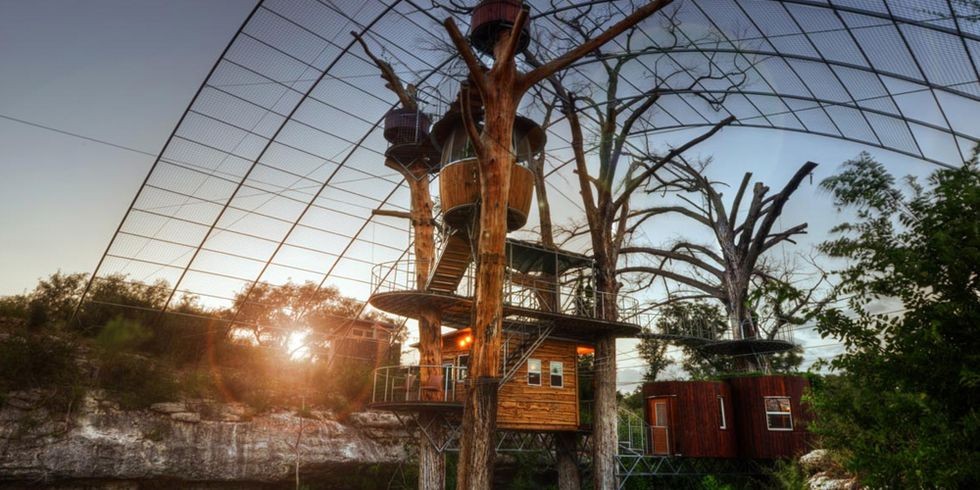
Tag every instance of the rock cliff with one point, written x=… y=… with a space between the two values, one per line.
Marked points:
x=189 y=442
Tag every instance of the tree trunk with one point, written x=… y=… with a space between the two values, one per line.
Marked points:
x=568 y=476
x=477 y=452
x=605 y=442
x=477 y=445
x=432 y=462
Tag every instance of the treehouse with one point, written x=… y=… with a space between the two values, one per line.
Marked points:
x=490 y=18
x=459 y=182
x=407 y=132
x=540 y=390
x=751 y=417
x=551 y=318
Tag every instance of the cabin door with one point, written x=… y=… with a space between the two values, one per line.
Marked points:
x=660 y=426
x=448 y=382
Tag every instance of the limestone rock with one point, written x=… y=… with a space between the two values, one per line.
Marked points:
x=816 y=460
x=168 y=408
x=102 y=443
x=189 y=417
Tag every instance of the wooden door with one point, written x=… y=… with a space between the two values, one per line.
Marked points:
x=660 y=426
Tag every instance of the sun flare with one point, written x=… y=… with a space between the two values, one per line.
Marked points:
x=296 y=347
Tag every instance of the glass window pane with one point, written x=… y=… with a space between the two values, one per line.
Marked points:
x=660 y=412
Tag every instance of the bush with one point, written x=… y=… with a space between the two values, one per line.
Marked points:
x=40 y=362
x=14 y=307
x=136 y=382
x=120 y=334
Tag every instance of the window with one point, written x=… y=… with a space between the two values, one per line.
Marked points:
x=721 y=411
x=462 y=364
x=778 y=416
x=534 y=372
x=557 y=374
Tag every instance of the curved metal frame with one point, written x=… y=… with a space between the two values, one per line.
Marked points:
x=411 y=12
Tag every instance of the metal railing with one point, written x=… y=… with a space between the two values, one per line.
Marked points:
x=634 y=432
x=518 y=292
x=709 y=330
x=400 y=384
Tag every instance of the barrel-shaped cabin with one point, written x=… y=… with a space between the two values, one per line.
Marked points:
x=690 y=419
x=541 y=393
x=492 y=17
x=752 y=417
x=409 y=142
x=459 y=181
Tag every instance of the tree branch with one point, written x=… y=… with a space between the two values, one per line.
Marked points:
x=388 y=74
x=542 y=72
x=673 y=255
x=703 y=286
x=473 y=64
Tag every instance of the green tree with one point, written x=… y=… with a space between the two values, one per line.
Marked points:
x=903 y=412
x=702 y=320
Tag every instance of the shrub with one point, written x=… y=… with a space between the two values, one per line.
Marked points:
x=120 y=334
x=136 y=382
x=41 y=362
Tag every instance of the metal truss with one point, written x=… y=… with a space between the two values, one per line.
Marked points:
x=272 y=172
x=634 y=466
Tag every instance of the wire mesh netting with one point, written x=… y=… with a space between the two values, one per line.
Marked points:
x=273 y=172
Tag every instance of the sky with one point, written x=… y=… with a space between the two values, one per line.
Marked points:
x=118 y=74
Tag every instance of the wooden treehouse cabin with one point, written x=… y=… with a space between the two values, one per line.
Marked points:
x=551 y=311
x=749 y=417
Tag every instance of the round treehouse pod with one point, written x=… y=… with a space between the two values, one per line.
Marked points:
x=459 y=180
x=490 y=18
x=407 y=131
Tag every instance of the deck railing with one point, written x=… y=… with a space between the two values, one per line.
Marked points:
x=401 y=384
x=520 y=291
x=709 y=330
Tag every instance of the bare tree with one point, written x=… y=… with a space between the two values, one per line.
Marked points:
x=607 y=193
x=432 y=463
x=501 y=89
x=724 y=272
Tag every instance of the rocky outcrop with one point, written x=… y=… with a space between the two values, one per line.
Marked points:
x=188 y=441
x=824 y=474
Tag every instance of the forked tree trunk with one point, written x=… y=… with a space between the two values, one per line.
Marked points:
x=501 y=90
x=477 y=454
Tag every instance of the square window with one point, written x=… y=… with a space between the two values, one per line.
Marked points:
x=534 y=372
x=557 y=374
x=778 y=413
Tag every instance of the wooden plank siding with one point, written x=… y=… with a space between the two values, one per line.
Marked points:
x=755 y=440
x=526 y=407
x=694 y=417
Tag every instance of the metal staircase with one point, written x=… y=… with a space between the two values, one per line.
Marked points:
x=452 y=264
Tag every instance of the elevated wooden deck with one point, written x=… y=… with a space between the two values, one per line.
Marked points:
x=456 y=313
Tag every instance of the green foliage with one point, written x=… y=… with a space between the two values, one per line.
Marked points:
x=903 y=411
x=16 y=306
x=712 y=482
x=121 y=334
x=35 y=361
x=789 y=475
x=136 y=382
x=704 y=320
